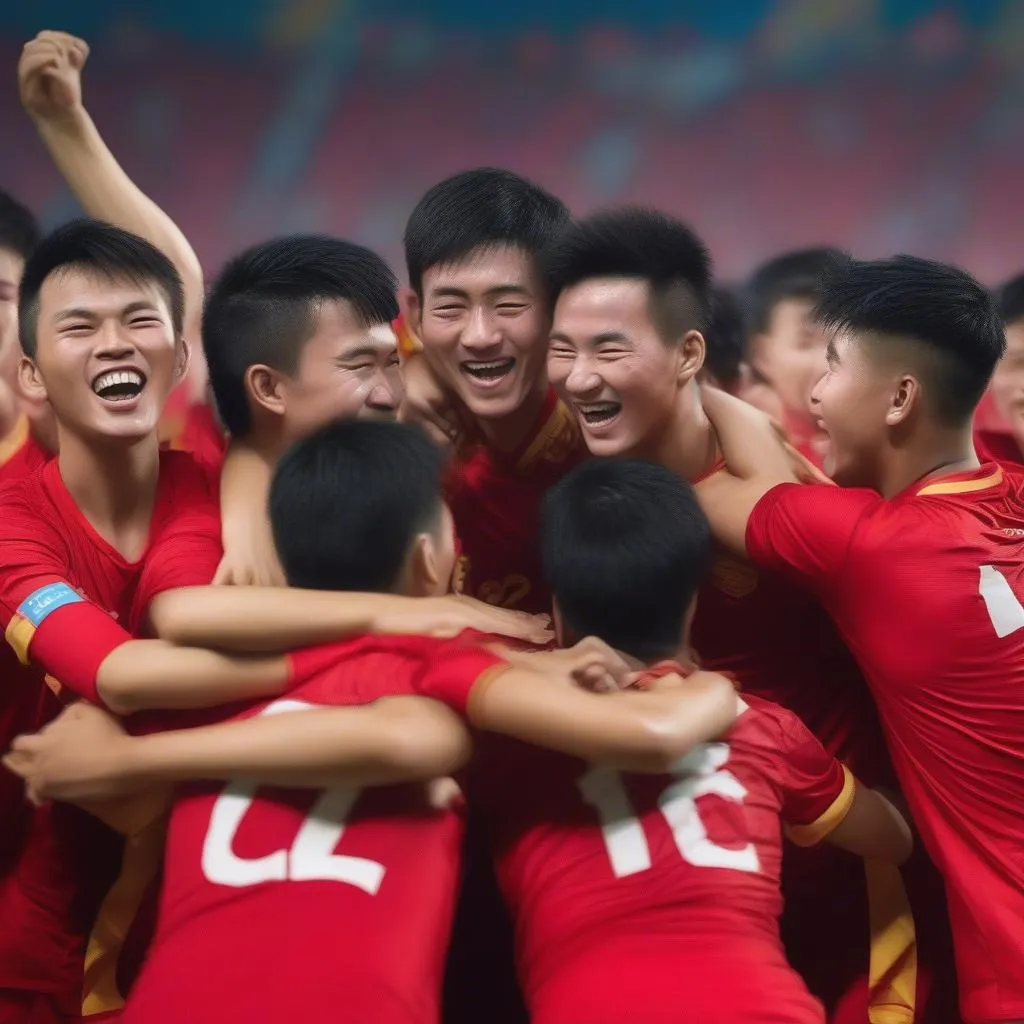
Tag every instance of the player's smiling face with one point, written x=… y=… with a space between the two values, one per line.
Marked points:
x=106 y=354
x=484 y=325
x=608 y=362
x=345 y=370
x=851 y=403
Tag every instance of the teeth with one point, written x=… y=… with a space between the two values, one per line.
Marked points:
x=496 y=364
x=115 y=378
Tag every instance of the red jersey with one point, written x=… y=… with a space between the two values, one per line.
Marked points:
x=67 y=599
x=341 y=898
x=998 y=446
x=495 y=499
x=928 y=591
x=193 y=427
x=656 y=898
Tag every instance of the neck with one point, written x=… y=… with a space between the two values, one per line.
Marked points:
x=269 y=445
x=113 y=486
x=509 y=432
x=944 y=453
x=687 y=445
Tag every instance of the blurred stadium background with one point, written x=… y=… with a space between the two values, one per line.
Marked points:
x=878 y=125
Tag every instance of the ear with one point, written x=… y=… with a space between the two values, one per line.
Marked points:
x=182 y=358
x=412 y=310
x=906 y=397
x=264 y=387
x=423 y=569
x=30 y=383
x=692 y=350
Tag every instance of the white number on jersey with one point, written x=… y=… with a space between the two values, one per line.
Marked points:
x=311 y=856
x=699 y=773
x=1003 y=605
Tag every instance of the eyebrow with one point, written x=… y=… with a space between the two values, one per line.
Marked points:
x=608 y=336
x=366 y=352
x=91 y=314
x=451 y=292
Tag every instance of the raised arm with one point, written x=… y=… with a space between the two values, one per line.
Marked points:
x=85 y=755
x=49 y=79
x=756 y=459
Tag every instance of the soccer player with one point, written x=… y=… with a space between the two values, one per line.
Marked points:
x=242 y=864
x=630 y=290
x=50 y=85
x=918 y=556
x=1007 y=446
x=655 y=898
x=787 y=348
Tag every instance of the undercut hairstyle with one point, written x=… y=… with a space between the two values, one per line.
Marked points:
x=479 y=209
x=347 y=503
x=792 y=275
x=101 y=249
x=725 y=337
x=19 y=230
x=1010 y=300
x=625 y=547
x=933 y=313
x=265 y=305
x=646 y=245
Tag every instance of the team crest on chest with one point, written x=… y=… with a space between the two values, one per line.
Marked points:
x=733 y=576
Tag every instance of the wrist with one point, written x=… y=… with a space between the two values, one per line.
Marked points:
x=72 y=124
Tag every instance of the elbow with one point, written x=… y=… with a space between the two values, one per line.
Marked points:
x=900 y=846
x=169 y=617
x=417 y=754
x=117 y=695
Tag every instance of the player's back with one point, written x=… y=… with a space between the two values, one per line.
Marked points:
x=656 y=898
x=932 y=602
x=308 y=905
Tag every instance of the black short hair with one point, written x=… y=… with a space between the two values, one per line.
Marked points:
x=264 y=306
x=1010 y=300
x=645 y=244
x=479 y=208
x=347 y=502
x=791 y=275
x=725 y=336
x=950 y=321
x=102 y=249
x=625 y=547
x=19 y=229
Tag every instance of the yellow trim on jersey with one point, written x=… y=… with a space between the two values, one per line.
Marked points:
x=560 y=427
x=964 y=486
x=479 y=688
x=892 y=970
x=19 y=635
x=808 y=835
x=12 y=441
x=139 y=866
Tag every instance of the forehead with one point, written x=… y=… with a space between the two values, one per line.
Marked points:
x=78 y=288
x=486 y=268
x=602 y=304
x=339 y=329
x=1015 y=338
x=791 y=312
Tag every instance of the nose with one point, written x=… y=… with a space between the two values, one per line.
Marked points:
x=816 y=392
x=583 y=379
x=481 y=332
x=386 y=393
x=113 y=341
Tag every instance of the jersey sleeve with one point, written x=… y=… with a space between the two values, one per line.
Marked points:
x=817 y=789
x=187 y=550
x=804 y=531
x=46 y=621
x=458 y=672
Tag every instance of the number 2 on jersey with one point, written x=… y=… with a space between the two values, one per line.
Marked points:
x=311 y=856
x=700 y=772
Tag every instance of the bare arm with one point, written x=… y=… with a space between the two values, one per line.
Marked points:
x=271 y=619
x=249 y=555
x=49 y=76
x=85 y=755
x=145 y=675
x=874 y=829
x=640 y=732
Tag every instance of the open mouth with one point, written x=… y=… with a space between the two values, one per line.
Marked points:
x=119 y=385
x=597 y=414
x=489 y=372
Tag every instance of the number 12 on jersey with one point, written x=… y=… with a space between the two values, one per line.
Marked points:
x=700 y=772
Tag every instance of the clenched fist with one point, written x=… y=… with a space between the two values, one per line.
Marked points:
x=50 y=76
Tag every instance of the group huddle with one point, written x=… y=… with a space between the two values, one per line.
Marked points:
x=510 y=646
